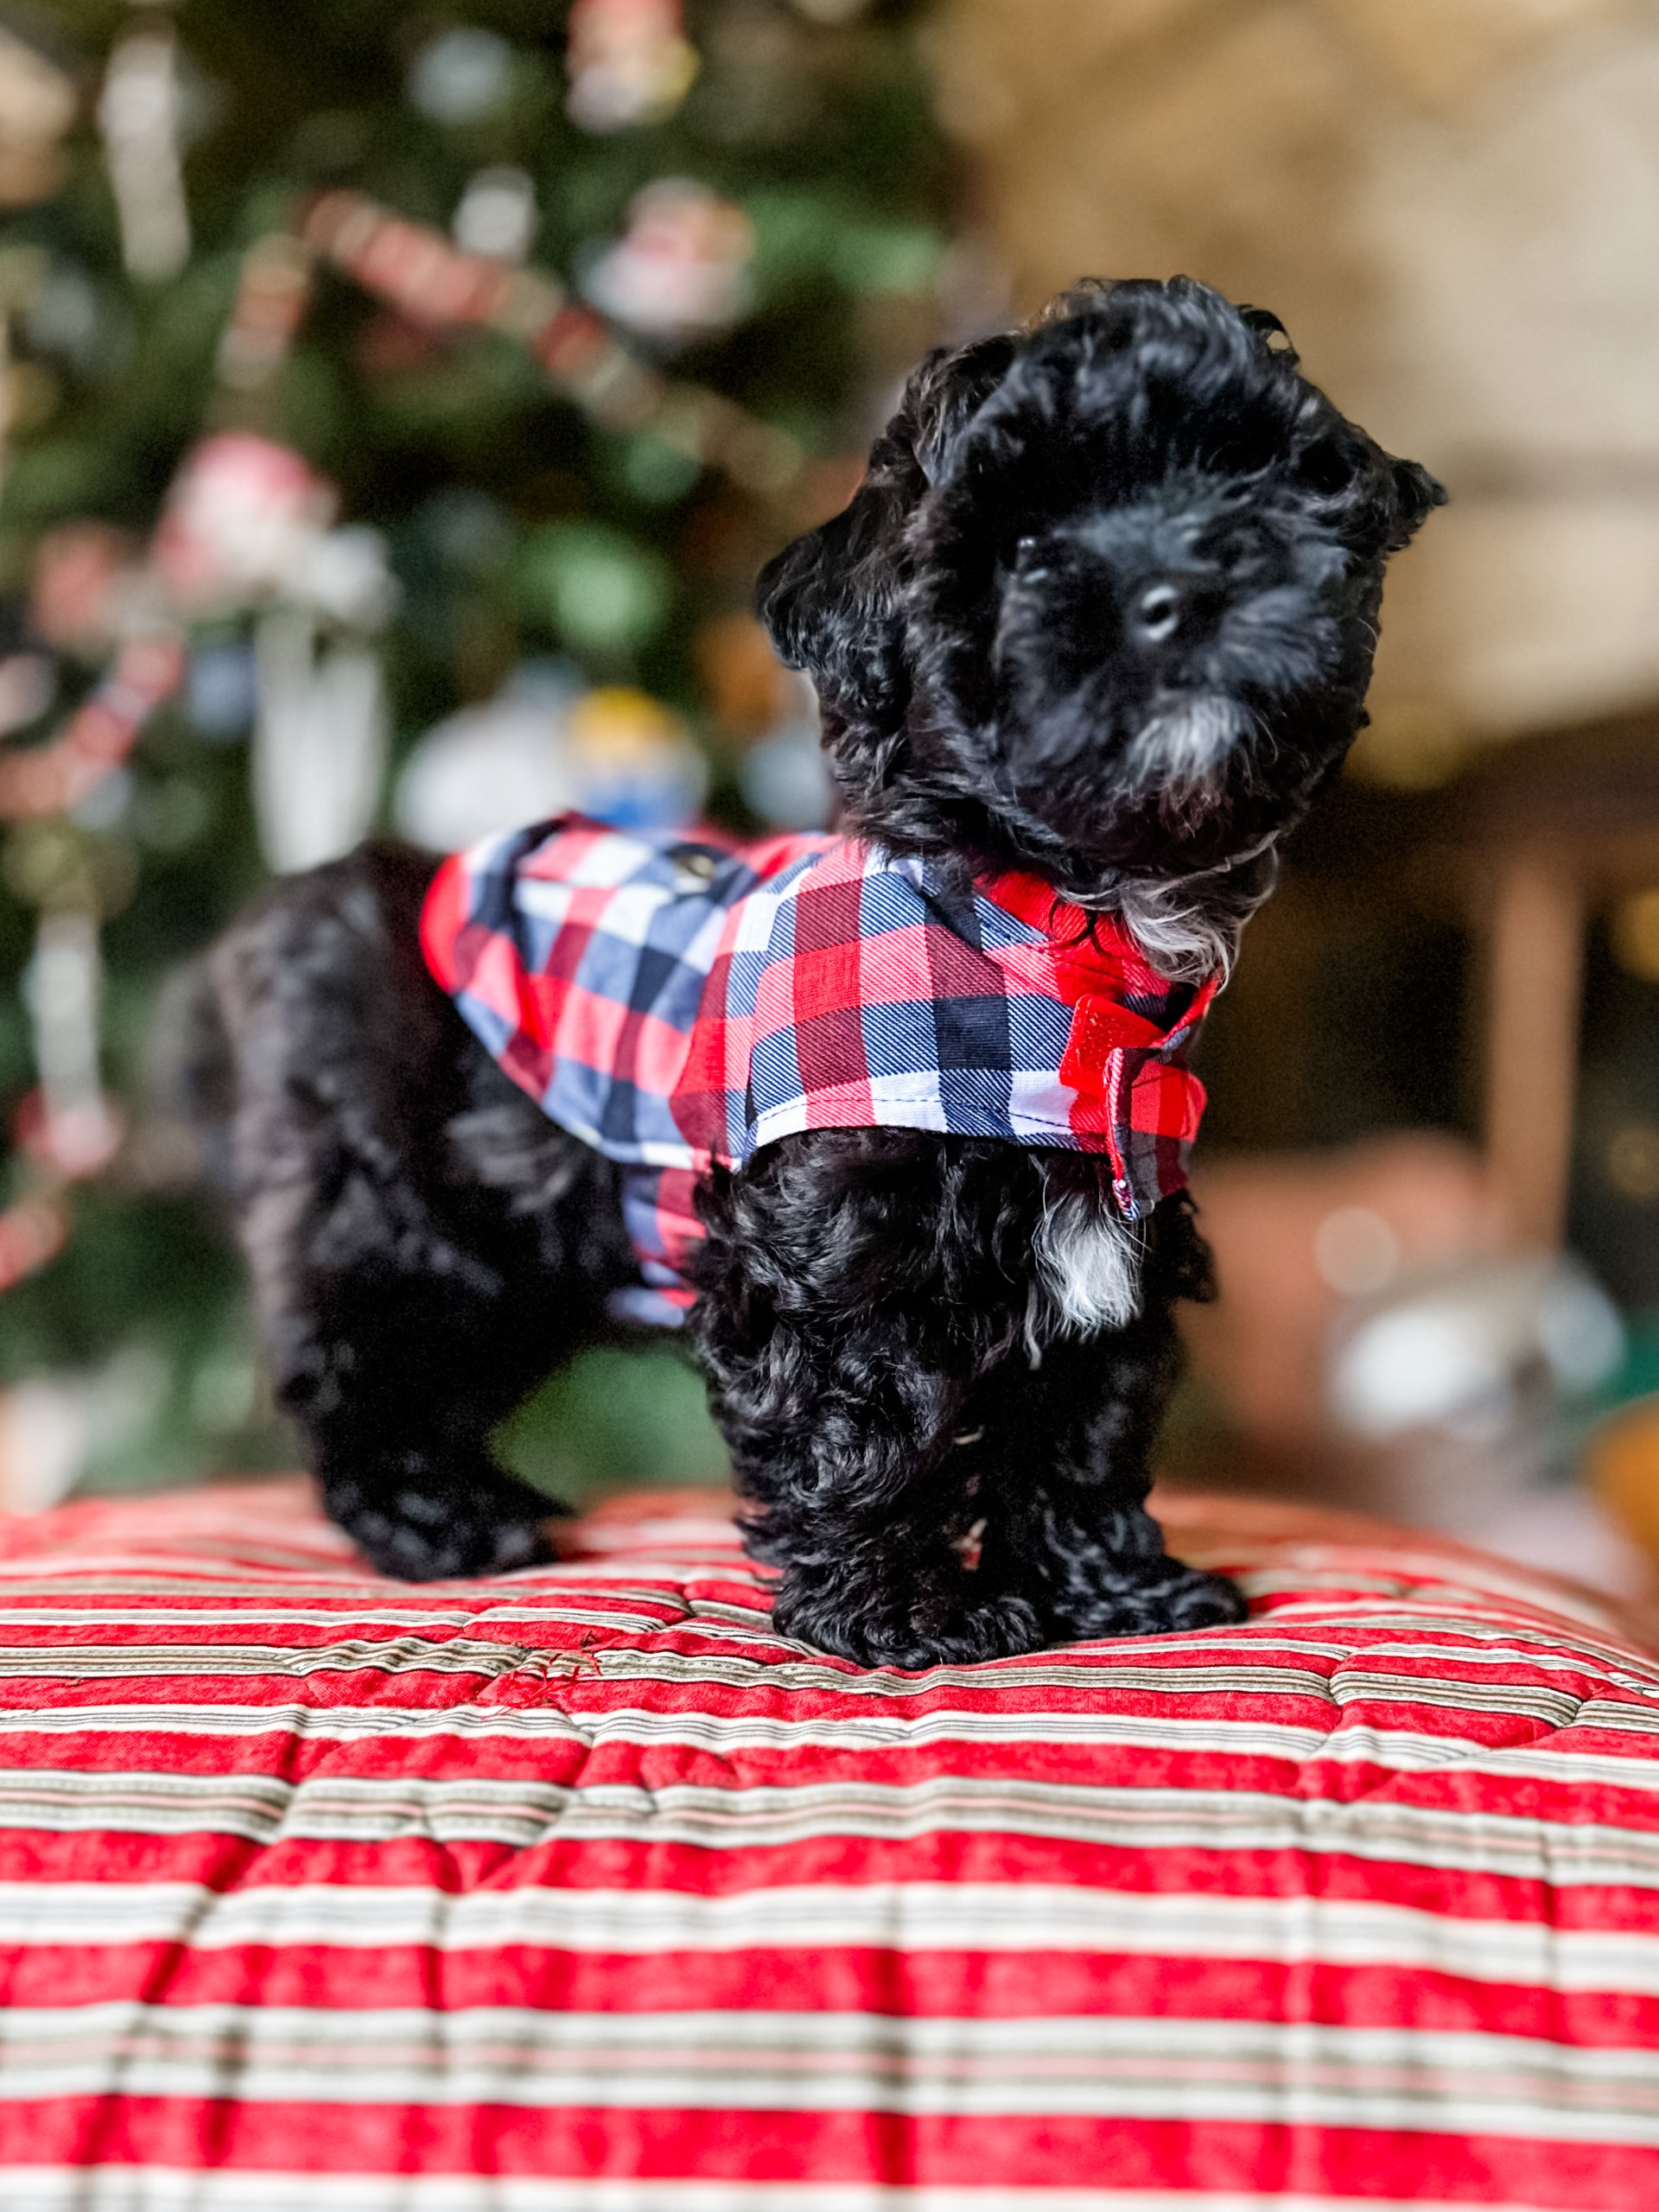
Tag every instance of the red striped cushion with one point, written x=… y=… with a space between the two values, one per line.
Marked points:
x=579 y=1891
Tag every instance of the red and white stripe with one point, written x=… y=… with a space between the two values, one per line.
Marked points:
x=581 y=1891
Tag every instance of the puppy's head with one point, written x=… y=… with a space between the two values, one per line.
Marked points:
x=1106 y=601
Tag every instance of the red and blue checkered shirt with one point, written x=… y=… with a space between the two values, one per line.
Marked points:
x=676 y=1003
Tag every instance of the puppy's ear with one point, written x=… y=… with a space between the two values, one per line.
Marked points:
x=1416 y=495
x=832 y=600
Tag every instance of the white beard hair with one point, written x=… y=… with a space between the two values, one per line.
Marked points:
x=1088 y=1273
x=1181 y=936
x=1184 y=747
x=1189 y=926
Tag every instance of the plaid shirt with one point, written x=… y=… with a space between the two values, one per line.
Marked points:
x=674 y=1003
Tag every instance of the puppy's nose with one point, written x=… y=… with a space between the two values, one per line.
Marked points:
x=1157 y=613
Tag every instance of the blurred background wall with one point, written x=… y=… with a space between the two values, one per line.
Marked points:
x=398 y=403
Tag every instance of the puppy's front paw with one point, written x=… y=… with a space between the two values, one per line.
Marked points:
x=423 y=1529
x=1150 y=1597
x=937 y=1629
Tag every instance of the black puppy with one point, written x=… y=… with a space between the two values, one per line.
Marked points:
x=1103 y=614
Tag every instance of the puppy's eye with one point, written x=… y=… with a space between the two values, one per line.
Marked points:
x=1324 y=467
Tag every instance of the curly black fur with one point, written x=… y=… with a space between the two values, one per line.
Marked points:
x=1104 y=608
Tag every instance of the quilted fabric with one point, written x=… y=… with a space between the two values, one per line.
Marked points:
x=674 y=1003
x=580 y=1890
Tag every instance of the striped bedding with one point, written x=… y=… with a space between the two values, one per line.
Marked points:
x=579 y=1891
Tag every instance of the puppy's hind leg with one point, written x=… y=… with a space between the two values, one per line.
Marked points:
x=424 y=1244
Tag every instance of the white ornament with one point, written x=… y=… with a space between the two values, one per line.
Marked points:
x=497 y=214
x=63 y=990
x=629 y=61
x=683 y=269
x=461 y=76
x=319 y=740
x=139 y=113
x=243 y=519
x=493 y=767
x=346 y=574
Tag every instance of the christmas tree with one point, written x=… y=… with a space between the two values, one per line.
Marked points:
x=395 y=407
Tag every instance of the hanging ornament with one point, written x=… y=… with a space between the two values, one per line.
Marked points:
x=243 y=519
x=68 y=1127
x=37 y=105
x=222 y=689
x=635 y=764
x=629 y=63
x=29 y=684
x=544 y=746
x=139 y=113
x=461 y=76
x=682 y=269
x=319 y=739
x=85 y=588
x=494 y=767
x=418 y=272
x=271 y=296
x=497 y=214
x=54 y=778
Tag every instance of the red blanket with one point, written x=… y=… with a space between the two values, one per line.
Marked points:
x=580 y=1890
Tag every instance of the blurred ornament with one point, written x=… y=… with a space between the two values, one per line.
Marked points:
x=319 y=743
x=346 y=574
x=37 y=105
x=461 y=76
x=544 y=746
x=603 y=591
x=222 y=689
x=32 y=1229
x=419 y=272
x=635 y=764
x=829 y=11
x=86 y=583
x=68 y=1127
x=496 y=215
x=629 y=63
x=243 y=518
x=139 y=112
x=29 y=684
x=786 y=778
x=682 y=269
x=1471 y=1349
x=494 y=766
x=45 y=1424
x=272 y=294
x=51 y=779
